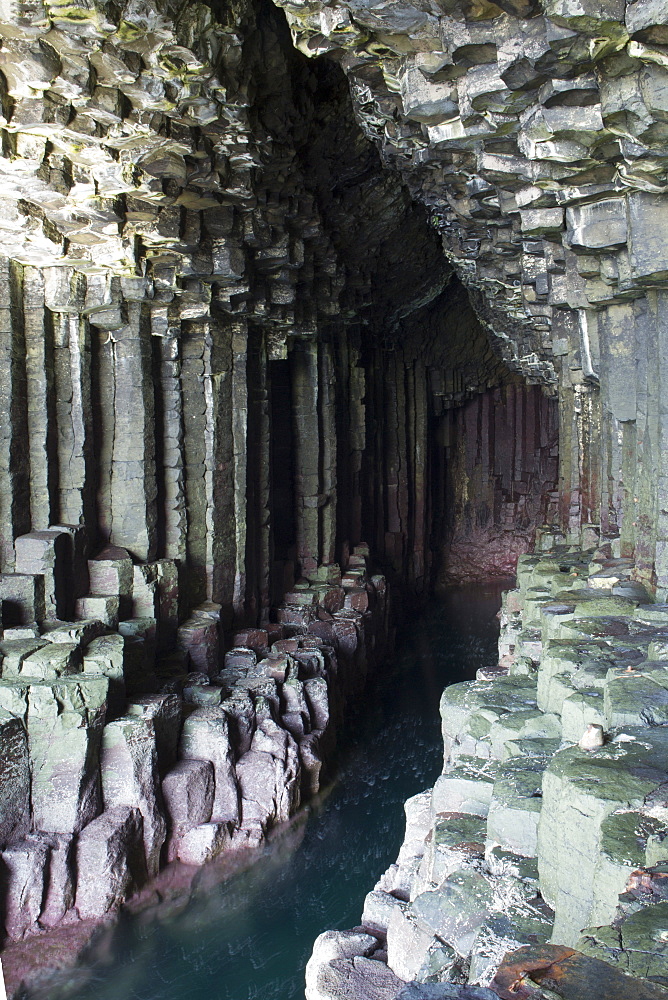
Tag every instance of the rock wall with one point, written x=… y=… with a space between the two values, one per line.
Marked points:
x=257 y=308
x=117 y=761
x=220 y=372
x=501 y=455
x=536 y=865
x=534 y=131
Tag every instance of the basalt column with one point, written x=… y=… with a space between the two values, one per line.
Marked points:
x=314 y=436
x=500 y=479
x=460 y=461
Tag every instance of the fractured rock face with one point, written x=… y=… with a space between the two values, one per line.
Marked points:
x=64 y=724
x=269 y=777
x=110 y=860
x=580 y=790
x=14 y=779
x=24 y=865
x=205 y=736
x=188 y=791
x=130 y=777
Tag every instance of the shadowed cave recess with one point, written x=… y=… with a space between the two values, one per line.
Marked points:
x=306 y=314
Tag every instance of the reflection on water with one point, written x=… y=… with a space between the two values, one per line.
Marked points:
x=249 y=935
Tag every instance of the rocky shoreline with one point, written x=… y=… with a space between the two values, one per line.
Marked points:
x=120 y=756
x=537 y=865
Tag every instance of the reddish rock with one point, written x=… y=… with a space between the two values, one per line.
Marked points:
x=188 y=791
x=110 y=860
x=205 y=736
x=566 y=973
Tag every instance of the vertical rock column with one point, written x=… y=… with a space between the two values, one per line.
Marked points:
x=417 y=459
x=357 y=410
x=14 y=469
x=658 y=371
x=304 y=370
x=569 y=454
x=221 y=518
x=395 y=460
x=39 y=383
x=240 y=444
x=72 y=361
x=259 y=598
x=133 y=481
x=195 y=374
x=372 y=465
x=328 y=465
x=619 y=394
x=500 y=470
x=258 y=465
x=166 y=329
x=350 y=430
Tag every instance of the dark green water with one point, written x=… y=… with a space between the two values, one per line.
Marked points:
x=249 y=936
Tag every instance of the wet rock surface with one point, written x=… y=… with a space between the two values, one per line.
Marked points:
x=236 y=337
x=169 y=779
x=536 y=866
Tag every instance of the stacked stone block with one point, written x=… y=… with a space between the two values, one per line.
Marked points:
x=103 y=785
x=546 y=836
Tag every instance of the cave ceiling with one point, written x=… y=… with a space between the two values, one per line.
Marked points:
x=184 y=154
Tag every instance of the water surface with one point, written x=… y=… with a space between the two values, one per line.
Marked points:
x=249 y=936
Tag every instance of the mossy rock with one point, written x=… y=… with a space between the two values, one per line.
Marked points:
x=533 y=749
x=580 y=789
x=592 y=603
x=579 y=710
x=652 y=614
x=460 y=702
x=553 y=691
x=457 y=910
x=622 y=849
x=645 y=942
x=465 y=786
x=452 y=829
x=637 y=697
x=598 y=627
x=527 y=724
x=527 y=923
x=450 y=844
x=440 y=964
x=512 y=821
x=503 y=862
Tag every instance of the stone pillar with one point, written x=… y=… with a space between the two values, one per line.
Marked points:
x=418 y=452
x=395 y=469
x=103 y=380
x=166 y=329
x=239 y=402
x=373 y=467
x=616 y=331
x=357 y=443
x=304 y=371
x=38 y=333
x=73 y=403
x=264 y=434
x=343 y=359
x=257 y=479
x=569 y=455
x=133 y=480
x=14 y=455
x=658 y=303
x=328 y=465
x=222 y=545
x=197 y=440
